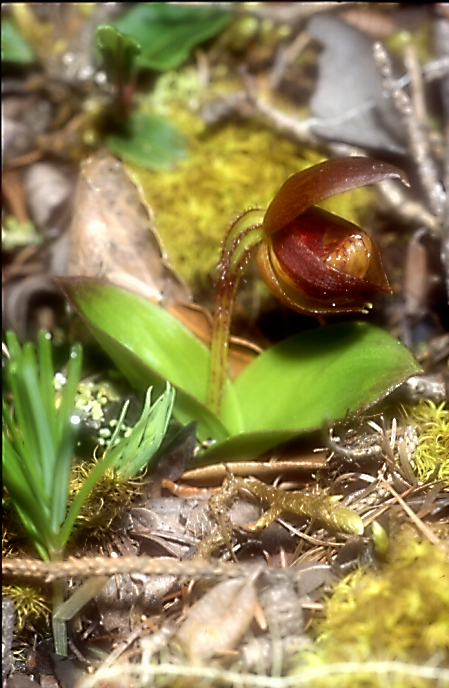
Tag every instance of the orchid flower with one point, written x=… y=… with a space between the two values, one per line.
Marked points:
x=313 y=261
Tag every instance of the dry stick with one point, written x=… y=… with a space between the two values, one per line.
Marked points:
x=105 y=566
x=419 y=145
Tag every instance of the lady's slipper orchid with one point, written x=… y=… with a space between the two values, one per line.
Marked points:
x=312 y=260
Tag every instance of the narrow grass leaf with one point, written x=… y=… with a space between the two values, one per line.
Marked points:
x=31 y=416
x=66 y=406
x=32 y=511
x=59 y=494
x=26 y=464
x=88 y=484
x=152 y=429
x=46 y=373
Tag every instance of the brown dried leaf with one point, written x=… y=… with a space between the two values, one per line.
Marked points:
x=218 y=621
x=113 y=234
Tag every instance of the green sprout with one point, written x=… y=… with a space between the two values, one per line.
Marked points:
x=140 y=137
x=151 y=36
x=38 y=445
x=39 y=436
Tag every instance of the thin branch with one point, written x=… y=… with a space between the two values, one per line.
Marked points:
x=419 y=145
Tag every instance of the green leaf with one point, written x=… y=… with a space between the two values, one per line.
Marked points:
x=148 y=344
x=322 y=374
x=318 y=375
x=119 y=53
x=33 y=510
x=168 y=32
x=135 y=451
x=149 y=141
x=14 y=47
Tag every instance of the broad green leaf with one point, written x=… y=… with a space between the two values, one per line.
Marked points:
x=147 y=344
x=119 y=53
x=319 y=375
x=14 y=47
x=168 y=32
x=323 y=373
x=148 y=140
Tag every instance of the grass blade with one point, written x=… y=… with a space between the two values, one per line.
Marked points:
x=47 y=392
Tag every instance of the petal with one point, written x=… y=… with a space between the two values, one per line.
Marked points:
x=305 y=264
x=300 y=265
x=315 y=184
x=298 y=300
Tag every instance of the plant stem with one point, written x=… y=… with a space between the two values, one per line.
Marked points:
x=239 y=245
x=59 y=627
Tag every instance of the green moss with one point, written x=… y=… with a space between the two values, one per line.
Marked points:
x=420 y=39
x=30 y=604
x=109 y=498
x=397 y=613
x=228 y=169
x=432 y=452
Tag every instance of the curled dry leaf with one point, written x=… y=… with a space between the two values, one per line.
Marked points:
x=113 y=236
x=218 y=621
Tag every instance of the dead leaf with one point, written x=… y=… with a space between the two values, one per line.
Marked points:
x=113 y=235
x=218 y=621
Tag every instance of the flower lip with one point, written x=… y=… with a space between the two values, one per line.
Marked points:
x=308 y=268
x=320 y=263
x=313 y=185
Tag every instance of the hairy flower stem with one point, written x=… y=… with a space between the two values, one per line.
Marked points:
x=240 y=243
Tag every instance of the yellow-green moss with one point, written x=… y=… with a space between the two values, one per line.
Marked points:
x=397 y=613
x=109 y=498
x=30 y=604
x=432 y=452
x=228 y=169
x=420 y=39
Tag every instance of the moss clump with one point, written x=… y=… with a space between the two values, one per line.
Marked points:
x=432 y=452
x=30 y=605
x=397 y=613
x=109 y=498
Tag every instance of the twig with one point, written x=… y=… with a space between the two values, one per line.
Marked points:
x=409 y=211
x=418 y=142
x=105 y=566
